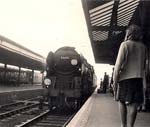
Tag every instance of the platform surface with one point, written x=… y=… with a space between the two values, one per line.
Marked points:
x=19 y=88
x=101 y=110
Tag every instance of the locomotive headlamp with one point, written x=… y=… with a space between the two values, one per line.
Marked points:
x=47 y=81
x=74 y=62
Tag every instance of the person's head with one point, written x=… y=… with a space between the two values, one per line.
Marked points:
x=134 y=33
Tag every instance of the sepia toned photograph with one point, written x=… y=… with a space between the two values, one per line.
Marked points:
x=75 y=63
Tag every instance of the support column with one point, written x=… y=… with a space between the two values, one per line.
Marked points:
x=18 y=82
x=5 y=71
x=32 y=77
x=43 y=77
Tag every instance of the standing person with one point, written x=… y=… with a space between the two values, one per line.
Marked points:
x=111 y=83
x=105 y=82
x=128 y=73
x=100 y=89
x=142 y=107
x=144 y=92
x=101 y=84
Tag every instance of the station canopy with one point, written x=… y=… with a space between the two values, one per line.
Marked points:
x=107 y=21
x=14 y=54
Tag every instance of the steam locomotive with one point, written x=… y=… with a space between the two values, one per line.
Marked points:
x=70 y=79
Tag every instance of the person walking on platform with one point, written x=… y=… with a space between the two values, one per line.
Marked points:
x=142 y=107
x=128 y=74
x=105 y=82
x=111 y=83
x=101 y=84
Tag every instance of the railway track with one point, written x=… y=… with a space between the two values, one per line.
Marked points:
x=34 y=118
x=48 y=119
x=18 y=104
x=27 y=114
x=18 y=112
x=18 y=115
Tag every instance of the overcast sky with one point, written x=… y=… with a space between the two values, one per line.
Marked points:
x=46 y=25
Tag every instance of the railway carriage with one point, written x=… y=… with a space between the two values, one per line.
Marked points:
x=10 y=76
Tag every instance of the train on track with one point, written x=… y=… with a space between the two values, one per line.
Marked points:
x=10 y=76
x=70 y=79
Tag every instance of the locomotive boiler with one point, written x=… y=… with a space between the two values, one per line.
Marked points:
x=70 y=79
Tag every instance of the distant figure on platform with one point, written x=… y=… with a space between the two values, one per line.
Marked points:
x=142 y=107
x=111 y=83
x=144 y=92
x=128 y=74
x=101 y=84
x=100 y=89
x=105 y=82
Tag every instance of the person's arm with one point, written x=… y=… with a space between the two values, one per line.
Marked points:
x=146 y=67
x=120 y=61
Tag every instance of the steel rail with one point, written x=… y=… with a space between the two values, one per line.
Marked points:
x=13 y=112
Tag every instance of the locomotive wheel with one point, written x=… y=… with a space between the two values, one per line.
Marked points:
x=50 y=103
x=41 y=103
x=79 y=103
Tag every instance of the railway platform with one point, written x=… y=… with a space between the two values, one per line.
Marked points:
x=9 y=94
x=4 y=88
x=100 y=110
